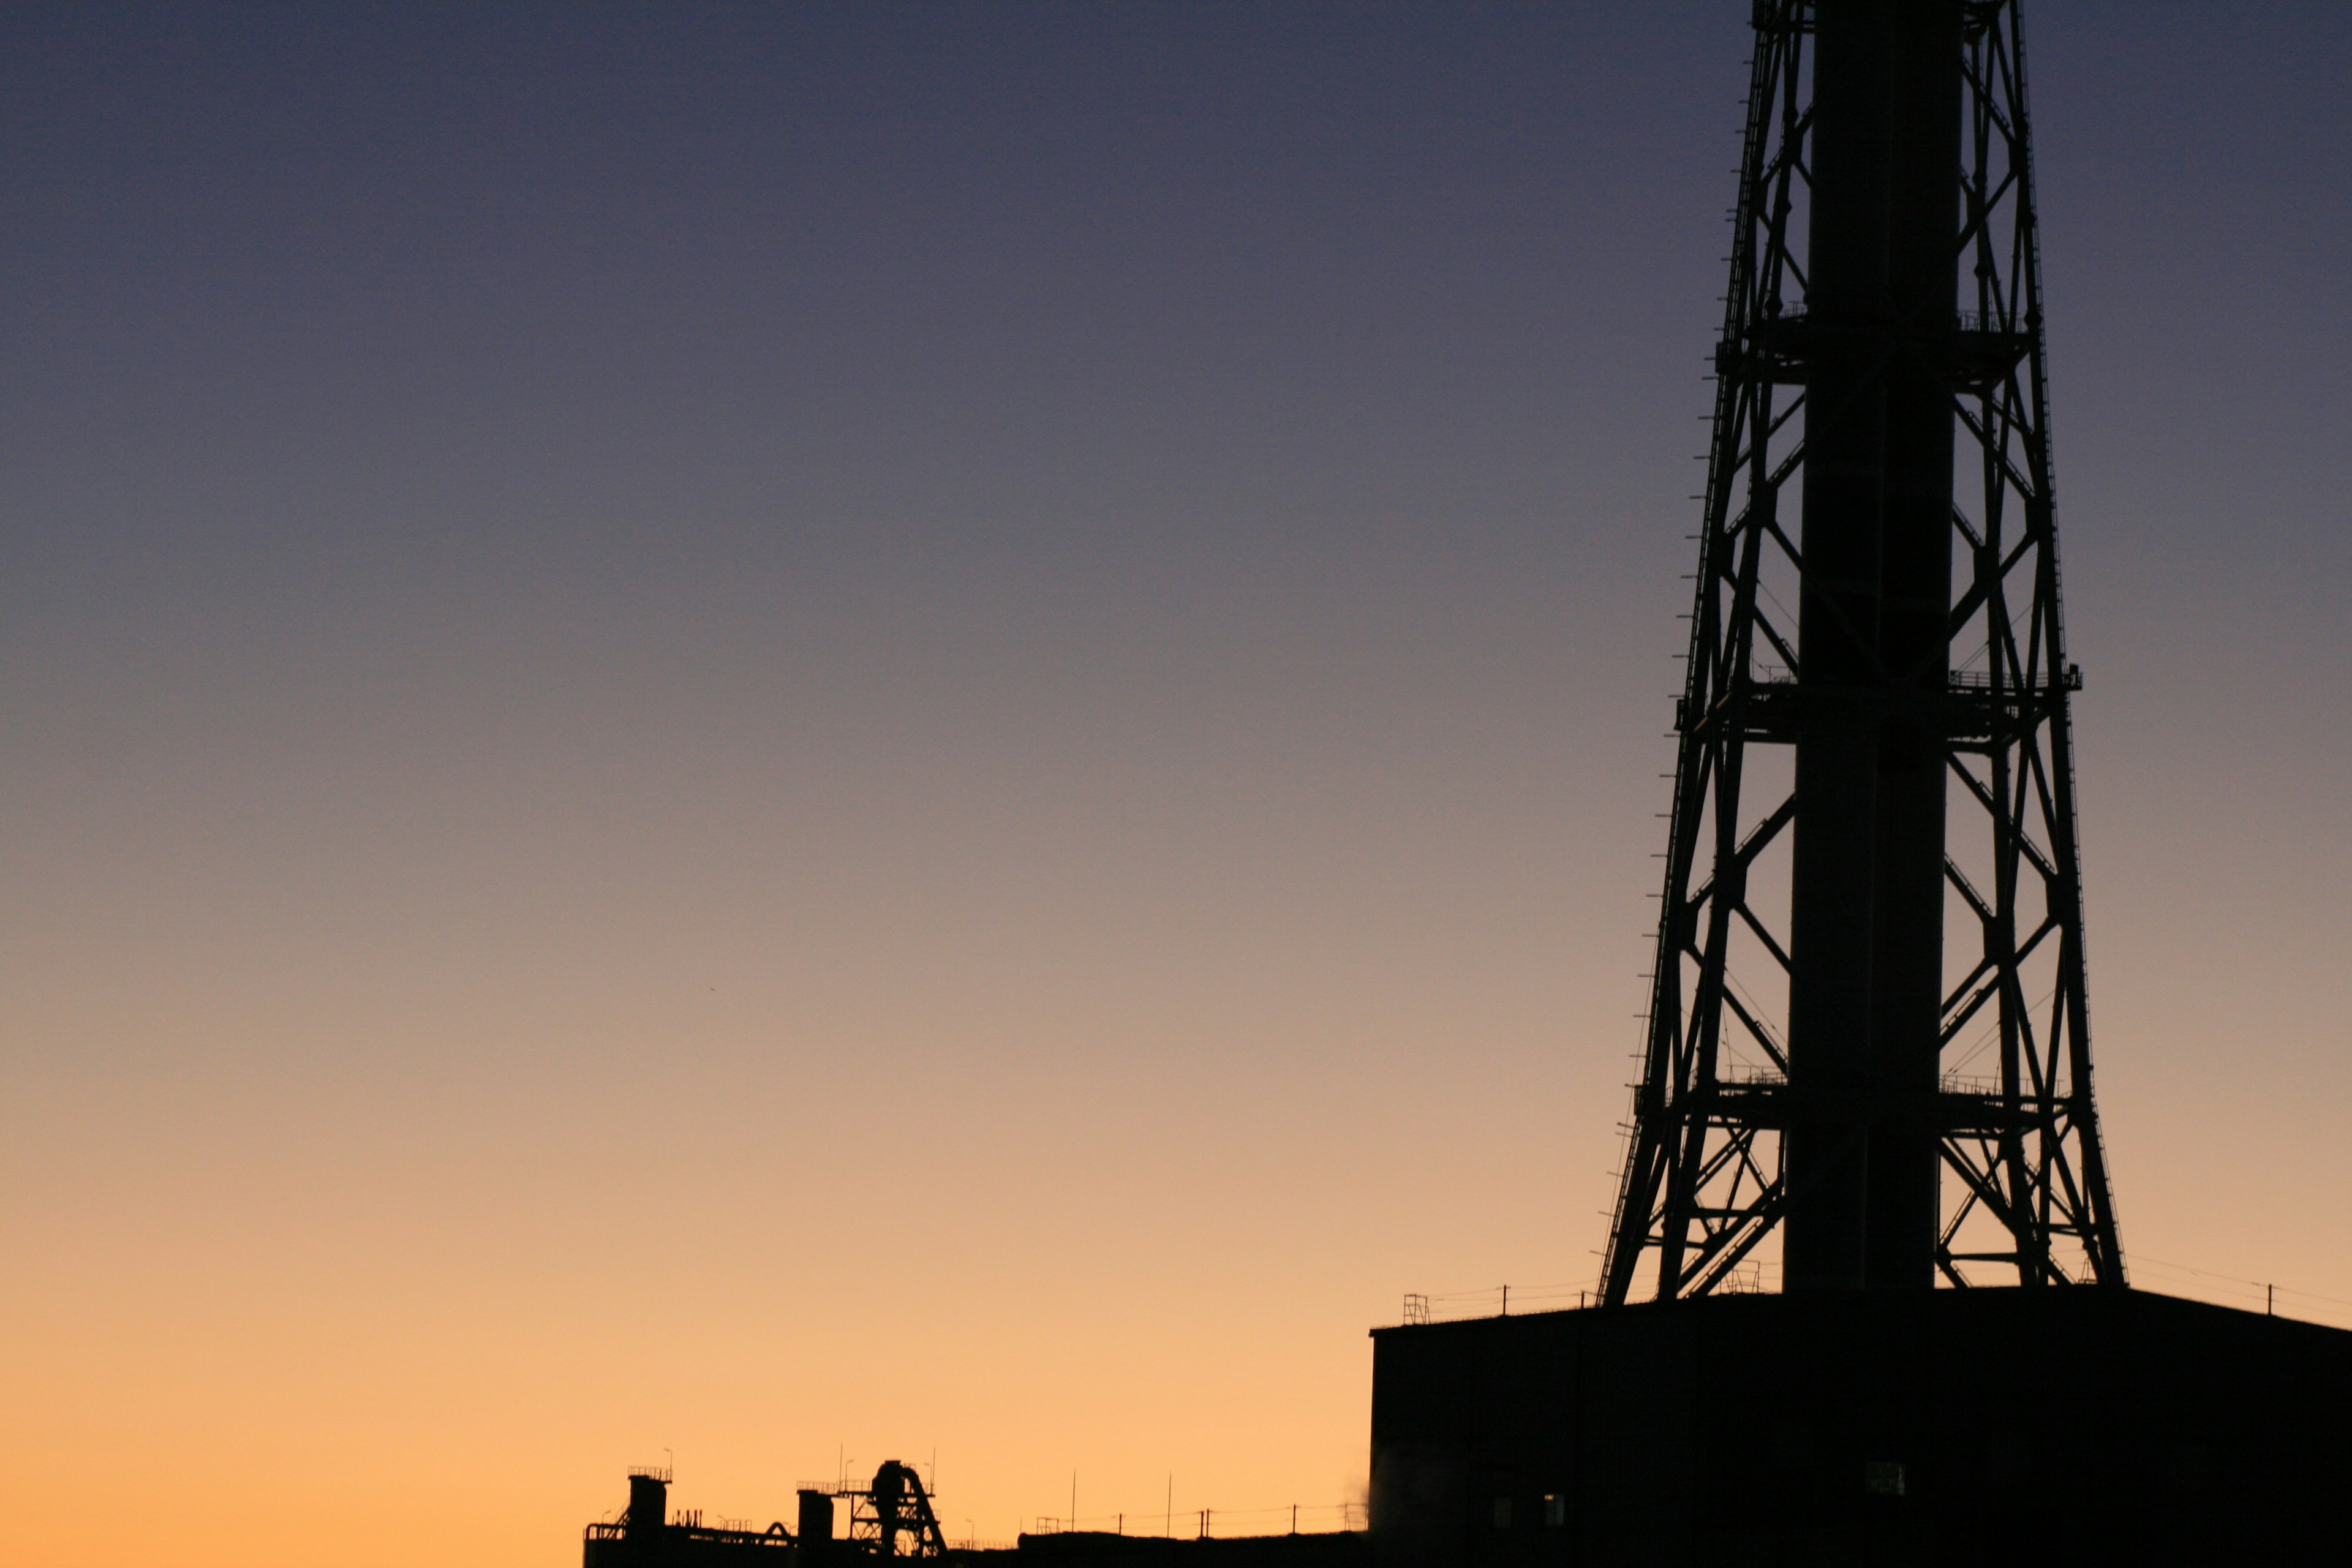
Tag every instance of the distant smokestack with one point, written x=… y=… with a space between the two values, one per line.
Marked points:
x=815 y=1527
x=648 y=1504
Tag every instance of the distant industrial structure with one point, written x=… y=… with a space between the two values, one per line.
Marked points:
x=1867 y=1063
x=893 y=1518
x=890 y=1518
x=645 y=1536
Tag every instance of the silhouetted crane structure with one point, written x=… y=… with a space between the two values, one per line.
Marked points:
x=1868 y=1035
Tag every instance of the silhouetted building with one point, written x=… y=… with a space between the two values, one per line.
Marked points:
x=1929 y=1427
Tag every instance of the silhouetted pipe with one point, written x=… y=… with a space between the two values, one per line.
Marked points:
x=1867 y=899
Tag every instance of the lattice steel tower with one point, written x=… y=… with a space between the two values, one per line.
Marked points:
x=1868 y=1038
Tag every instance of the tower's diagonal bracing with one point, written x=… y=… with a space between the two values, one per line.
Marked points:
x=1867 y=1060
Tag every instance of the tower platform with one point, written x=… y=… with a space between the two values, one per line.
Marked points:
x=2017 y=1426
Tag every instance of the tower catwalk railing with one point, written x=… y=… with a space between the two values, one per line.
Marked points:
x=1871 y=878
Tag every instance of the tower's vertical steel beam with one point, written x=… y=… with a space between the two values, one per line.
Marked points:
x=1867 y=913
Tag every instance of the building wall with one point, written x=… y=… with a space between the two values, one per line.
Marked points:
x=2055 y=1426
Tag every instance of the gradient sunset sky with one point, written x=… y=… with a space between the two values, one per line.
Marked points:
x=799 y=733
